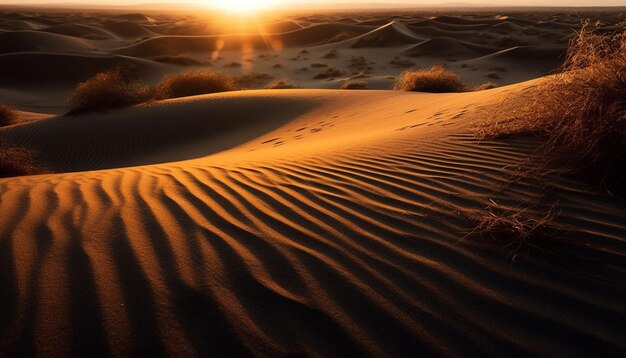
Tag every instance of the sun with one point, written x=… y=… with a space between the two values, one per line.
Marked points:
x=242 y=6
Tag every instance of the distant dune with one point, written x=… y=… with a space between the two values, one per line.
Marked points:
x=522 y=44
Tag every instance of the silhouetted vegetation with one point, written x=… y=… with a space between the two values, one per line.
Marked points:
x=354 y=85
x=107 y=90
x=116 y=88
x=194 y=83
x=581 y=111
x=437 y=79
x=18 y=162
x=7 y=115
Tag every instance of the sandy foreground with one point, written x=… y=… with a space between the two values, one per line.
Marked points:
x=312 y=222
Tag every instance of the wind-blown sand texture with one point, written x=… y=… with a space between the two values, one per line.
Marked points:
x=295 y=222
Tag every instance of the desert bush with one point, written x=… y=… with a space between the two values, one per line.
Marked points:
x=485 y=86
x=7 y=115
x=581 y=111
x=354 y=85
x=516 y=230
x=193 y=83
x=251 y=79
x=331 y=54
x=17 y=162
x=116 y=88
x=329 y=72
x=279 y=85
x=437 y=79
x=107 y=90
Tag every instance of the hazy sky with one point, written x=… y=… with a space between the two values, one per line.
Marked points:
x=346 y=2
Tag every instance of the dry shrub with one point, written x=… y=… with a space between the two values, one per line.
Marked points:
x=108 y=90
x=7 y=115
x=331 y=54
x=485 y=86
x=279 y=85
x=329 y=72
x=354 y=85
x=193 y=83
x=581 y=111
x=437 y=79
x=116 y=88
x=251 y=79
x=360 y=63
x=17 y=162
x=516 y=230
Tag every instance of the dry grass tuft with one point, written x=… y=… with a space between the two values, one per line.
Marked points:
x=581 y=111
x=251 y=79
x=331 y=54
x=329 y=72
x=193 y=83
x=18 y=162
x=108 y=90
x=7 y=115
x=437 y=79
x=116 y=88
x=354 y=85
x=516 y=230
x=485 y=86
x=279 y=85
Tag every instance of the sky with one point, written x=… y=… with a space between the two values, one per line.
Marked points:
x=346 y=2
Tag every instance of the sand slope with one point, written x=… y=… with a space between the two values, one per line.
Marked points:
x=330 y=228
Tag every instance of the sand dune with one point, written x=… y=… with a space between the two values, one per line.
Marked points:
x=325 y=230
x=280 y=27
x=389 y=35
x=181 y=44
x=18 y=25
x=128 y=29
x=23 y=41
x=79 y=30
x=446 y=47
x=26 y=68
x=101 y=144
x=319 y=33
x=449 y=27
